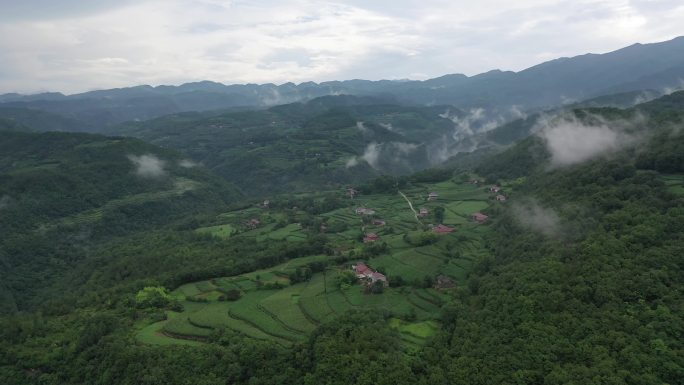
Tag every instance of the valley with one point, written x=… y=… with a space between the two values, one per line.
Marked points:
x=274 y=306
x=502 y=228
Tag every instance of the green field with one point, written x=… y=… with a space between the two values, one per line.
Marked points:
x=288 y=315
x=221 y=231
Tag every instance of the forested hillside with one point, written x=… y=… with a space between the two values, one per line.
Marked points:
x=325 y=143
x=62 y=194
x=575 y=277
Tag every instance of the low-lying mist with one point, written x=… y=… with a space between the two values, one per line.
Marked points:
x=148 y=166
x=532 y=215
x=570 y=140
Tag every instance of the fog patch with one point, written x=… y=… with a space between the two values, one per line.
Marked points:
x=352 y=162
x=371 y=154
x=186 y=163
x=387 y=126
x=379 y=154
x=537 y=218
x=475 y=121
x=517 y=112
x=362 y=127
x=148 y=166
x=674 y=88
x=570 y=141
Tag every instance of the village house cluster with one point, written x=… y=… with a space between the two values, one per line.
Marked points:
x=367 y=276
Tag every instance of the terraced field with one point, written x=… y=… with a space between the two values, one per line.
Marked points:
x=288 y=315
x=181 y=186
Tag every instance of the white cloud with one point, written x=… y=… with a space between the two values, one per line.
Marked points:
x=148 y=166
x=571 y=141
x=537 y=218
x=87 y=45
x=186 y=163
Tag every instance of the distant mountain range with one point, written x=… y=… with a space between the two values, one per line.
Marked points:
x=658 y=67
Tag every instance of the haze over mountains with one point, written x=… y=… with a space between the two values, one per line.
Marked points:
x=658 y=67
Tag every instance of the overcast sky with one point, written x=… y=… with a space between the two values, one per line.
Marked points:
x=78 y=45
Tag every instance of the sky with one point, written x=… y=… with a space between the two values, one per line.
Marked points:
x=74 y=45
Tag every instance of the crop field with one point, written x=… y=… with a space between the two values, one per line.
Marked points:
x=152 y=334
x=414 y=334
x=289 y=314
x=221 y=231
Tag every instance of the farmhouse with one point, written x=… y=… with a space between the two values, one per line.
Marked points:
x=253 y=223
x=495 y=189
x=364 y=211
x=479 y=217
x=352 y=192
x=379 y=222
x=266 y=203
x=423 y=212
x=432 y=196
x=360 y=269
x=367 y=275
x=444 y=282
x=501 y=198
x=441 y=229
x=370 y=237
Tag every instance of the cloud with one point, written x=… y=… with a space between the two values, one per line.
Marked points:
x=572 y=141
x=148 y=166
x=475 y=120
x=537 y=218
x=388 y=127
x=352 y=162
x=73 y=46
x=372 y=154
x=186 y=163
x=386 y=156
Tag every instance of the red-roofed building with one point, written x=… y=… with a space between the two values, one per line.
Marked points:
x=479 y=217
x=371 y=237
x=441 y=229
x=253 y=223
x=360 y=269
x=495 y=189
x=367 y=276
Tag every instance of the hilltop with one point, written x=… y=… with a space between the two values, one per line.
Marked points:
x=656 y=66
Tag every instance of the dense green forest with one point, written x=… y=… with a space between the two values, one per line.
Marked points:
x=322 y=144
x=577 y=280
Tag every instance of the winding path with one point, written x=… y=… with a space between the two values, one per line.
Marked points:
x=410 y=206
